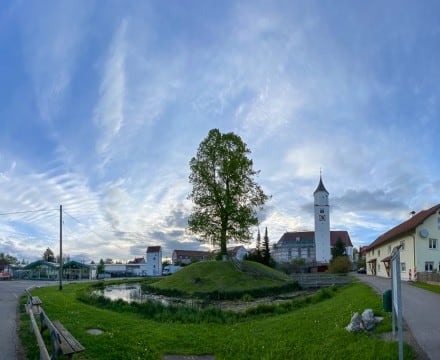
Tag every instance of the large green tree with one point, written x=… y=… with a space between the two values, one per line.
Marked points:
x=225 y=195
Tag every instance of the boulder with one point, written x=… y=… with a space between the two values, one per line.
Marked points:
x=368 y=319
x=355 y=323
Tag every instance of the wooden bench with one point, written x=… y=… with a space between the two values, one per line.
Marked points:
x=62 y=341
x=34 y=302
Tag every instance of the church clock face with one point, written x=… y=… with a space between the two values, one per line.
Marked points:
x=321 y=217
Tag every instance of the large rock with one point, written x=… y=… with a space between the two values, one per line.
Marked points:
x=355 y=323
x=368 y=319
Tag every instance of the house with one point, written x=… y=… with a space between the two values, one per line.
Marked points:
x=137 y=267
x=189 y=256
x=238 y=252
x=154 y=261
x=301 y=245
x=418 y=238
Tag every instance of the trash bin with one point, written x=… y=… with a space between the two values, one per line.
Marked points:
x=387 y=298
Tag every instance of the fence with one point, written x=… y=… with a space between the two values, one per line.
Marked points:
x=319 y=280
x=428 y=277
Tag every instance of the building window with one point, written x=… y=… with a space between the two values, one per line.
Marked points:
x=429 y=266
x=389 y=249
x=403 y=267
x=378 y=252
x=321 y=211
x=378 y=267
x=433 y=243
x=402 y=245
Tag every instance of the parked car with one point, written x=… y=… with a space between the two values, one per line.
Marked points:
x=362 y=270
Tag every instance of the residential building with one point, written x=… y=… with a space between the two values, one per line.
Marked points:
x=154 y=261
x=189 y=256
x=238 y=252
x=418 y=238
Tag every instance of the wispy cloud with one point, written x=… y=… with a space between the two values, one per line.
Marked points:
x=109 y=112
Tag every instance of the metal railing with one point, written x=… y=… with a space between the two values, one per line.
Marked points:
x=319 y=280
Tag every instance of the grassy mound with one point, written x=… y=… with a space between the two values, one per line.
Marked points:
x=222 y=276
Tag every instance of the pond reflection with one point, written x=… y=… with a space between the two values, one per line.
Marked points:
x=133 y=293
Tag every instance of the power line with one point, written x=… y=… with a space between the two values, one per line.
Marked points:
x=26 y=211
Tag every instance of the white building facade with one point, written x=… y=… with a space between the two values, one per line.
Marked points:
x=418 y=238
x=154 y=261
x=322 y=224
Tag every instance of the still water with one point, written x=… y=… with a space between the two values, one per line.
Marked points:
x=133 y=293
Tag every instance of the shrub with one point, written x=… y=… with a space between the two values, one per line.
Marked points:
x=340 y=265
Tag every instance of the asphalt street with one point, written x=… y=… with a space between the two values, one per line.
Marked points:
x=420 y=310
x=10 y=292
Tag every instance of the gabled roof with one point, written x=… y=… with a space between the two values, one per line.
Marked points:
x=309 y=236
x=153 y=249
x=405 y=227
x=190 y=253
x=296 y=236
x=42 y=263
x=75 y=264
x=335 y=234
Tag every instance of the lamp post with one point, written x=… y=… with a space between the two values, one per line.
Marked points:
x=61 y=248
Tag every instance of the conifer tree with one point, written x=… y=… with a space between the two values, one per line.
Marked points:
x=266 y=249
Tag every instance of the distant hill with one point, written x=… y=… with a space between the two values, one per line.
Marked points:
x=222 y=276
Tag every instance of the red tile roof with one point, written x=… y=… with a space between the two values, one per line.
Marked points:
x=190 y=253
x=334 y=235
x=406 y=226
x=152 y=249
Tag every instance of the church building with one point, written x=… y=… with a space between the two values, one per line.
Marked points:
x=313 y=246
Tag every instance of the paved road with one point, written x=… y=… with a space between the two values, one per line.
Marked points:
x=10 y=292
x=421 y=311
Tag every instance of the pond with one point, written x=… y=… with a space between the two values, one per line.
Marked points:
x=133 y=293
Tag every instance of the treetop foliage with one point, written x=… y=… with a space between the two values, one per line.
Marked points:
x=225 y=195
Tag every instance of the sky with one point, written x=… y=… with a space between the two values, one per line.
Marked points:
x=103 y=105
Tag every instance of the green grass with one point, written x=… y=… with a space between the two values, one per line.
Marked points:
x=314 y=330
x=430 y=287
x=222 y=275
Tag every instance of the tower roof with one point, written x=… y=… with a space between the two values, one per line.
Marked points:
x=321 y=186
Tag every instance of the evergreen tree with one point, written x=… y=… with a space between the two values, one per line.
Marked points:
x=338 y=249
x=48 y=255
x=266 y=249
x=258 y=246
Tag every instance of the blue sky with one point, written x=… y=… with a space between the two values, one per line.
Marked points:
x=103 y=104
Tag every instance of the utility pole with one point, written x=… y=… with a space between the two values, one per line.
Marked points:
x=61 y=247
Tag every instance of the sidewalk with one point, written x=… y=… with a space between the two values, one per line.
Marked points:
x=420 y=312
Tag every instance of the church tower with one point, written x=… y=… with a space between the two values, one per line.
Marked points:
x=322 y=223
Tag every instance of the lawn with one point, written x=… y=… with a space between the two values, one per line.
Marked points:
x=313 y=331
x=426 y=286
